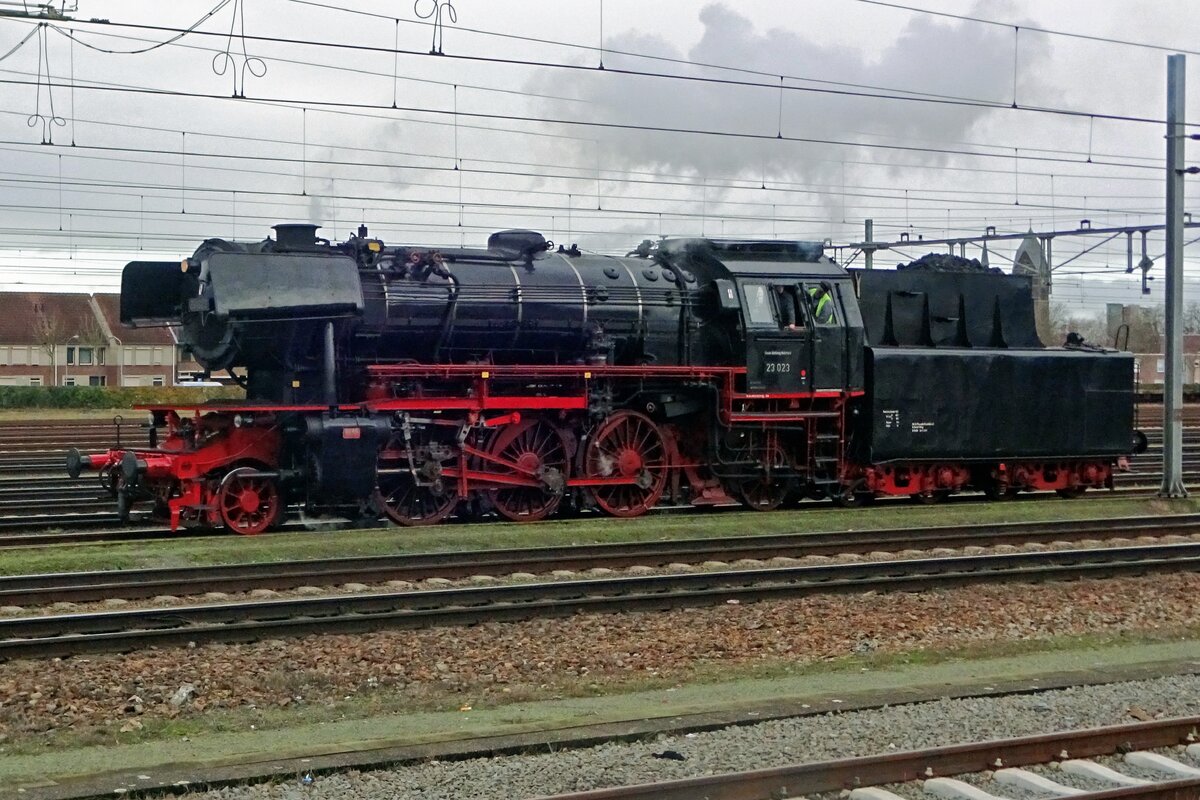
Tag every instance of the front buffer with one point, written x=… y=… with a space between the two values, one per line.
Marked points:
x=240 y=468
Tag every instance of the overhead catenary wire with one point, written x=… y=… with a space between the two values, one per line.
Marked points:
x=776 y=182
x=460 y=169
x=558 y=42
x=1030 y=27
x=308 y=63
x=610 y=70
x=592 y=123
x=579 y=211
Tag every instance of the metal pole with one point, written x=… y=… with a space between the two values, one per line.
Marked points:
x=330 y=360
x=1172 y=485
x=870 y=251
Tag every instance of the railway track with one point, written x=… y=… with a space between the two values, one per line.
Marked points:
x=102 y=525
x=71 y=634
x=82 y=587
x=998 y=768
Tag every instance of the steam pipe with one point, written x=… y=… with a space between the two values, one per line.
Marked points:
x=330 y=367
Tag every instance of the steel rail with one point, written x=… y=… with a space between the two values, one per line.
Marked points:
x=42 y=522
x=98 y=527
x=853 y=773
x=131 y=584
x=70 y=634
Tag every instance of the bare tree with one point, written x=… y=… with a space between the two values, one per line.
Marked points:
x=1191 y=317
x=48 y=333
x=90 y=332
x=1145 y=330
x=1064 y=321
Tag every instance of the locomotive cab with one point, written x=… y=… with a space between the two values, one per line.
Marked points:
x=791 y=311
x=802 y=333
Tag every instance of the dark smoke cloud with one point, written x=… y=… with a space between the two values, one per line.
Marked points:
x=929 y=55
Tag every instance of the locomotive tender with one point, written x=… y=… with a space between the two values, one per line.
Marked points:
x=517 y=380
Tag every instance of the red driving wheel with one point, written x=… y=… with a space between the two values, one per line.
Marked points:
x=408 y=499
x=530 y=449
x=628 y=446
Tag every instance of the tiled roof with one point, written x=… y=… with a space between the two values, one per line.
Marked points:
x=23 y=314
x=110 y=305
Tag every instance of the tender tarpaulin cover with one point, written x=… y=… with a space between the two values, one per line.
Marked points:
x=968 y=404
x=979 y=291
x=247 y=284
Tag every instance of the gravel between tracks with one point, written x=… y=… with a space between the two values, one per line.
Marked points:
x=769 y=744
x=495 y=662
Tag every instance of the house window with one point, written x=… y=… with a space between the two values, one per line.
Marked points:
x=100 y=356
x=143 y=356
x=35 y=381
x=70 y=355
x=20 y=356
x=69 y=380
x=96 y=380
x=157 y=380
x=35 y=356
x=86 y=356
x=1161 y=366
x=127 y=355
x=158 y=356
x=4 y=357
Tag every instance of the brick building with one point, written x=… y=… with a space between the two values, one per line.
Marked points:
x=1151 y=367
x=49 y=339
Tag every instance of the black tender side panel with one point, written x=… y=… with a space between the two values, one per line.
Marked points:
x=965 y=404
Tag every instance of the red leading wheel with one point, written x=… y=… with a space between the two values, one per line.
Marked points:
x=628 y=446
x=249 y=503
x=530 y=449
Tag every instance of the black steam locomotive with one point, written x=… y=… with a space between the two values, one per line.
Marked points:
x=516 y=380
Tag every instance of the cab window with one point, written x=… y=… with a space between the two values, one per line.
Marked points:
x=759 y=310
x=822 y=303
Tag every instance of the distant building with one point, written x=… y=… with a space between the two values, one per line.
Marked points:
x=1030 y=259
x=1132 y=328
x=1151 y=367
x=49 y=339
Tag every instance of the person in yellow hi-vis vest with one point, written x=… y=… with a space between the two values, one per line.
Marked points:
x=822 y=303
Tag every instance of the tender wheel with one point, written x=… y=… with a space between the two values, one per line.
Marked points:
x=932 y=497
x=249 y=504
x=531 y=449
x=769 y=489
x=405 y=499
x=629 y=446
x=853 y=495
x=1000 y=491
x=1072 y=493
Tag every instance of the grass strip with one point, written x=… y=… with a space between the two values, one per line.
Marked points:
x=208 y=550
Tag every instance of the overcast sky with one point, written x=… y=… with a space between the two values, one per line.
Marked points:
x=149 y=175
